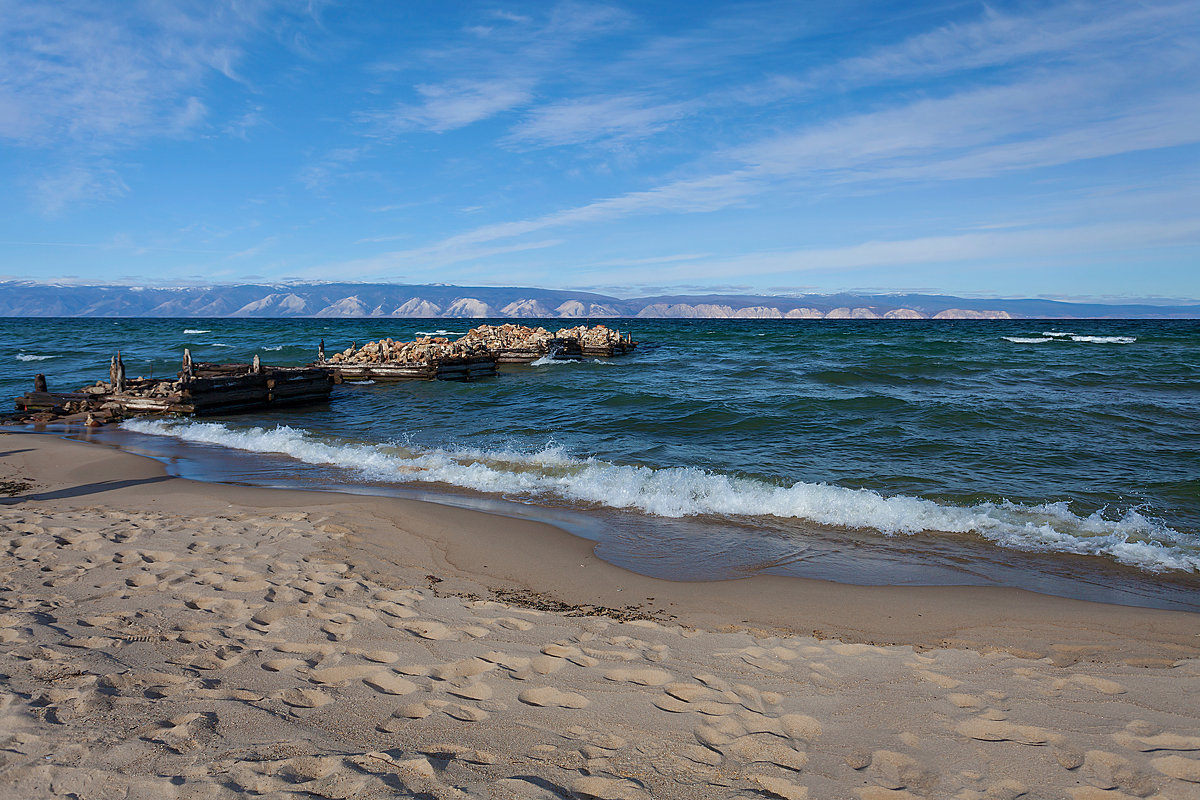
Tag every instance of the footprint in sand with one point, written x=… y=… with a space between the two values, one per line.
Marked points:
x=1110 y=771
x=548 y=696
x=340 y=676
x=642 y=677
x=986 y=730
x=305 y=698
x=779 y=787
x=607 y=789
x=1178 y=767
x=1102 y=685
x=177 y=732
x=390 y=683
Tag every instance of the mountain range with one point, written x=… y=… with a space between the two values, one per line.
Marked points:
x=32 y=299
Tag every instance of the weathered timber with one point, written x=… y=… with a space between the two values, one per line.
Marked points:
x=551 y=348
x=200 y=389
x=449 y=369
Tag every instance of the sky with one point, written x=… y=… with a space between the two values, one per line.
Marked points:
x=1003 y=149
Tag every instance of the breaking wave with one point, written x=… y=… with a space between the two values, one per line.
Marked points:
x=196 y=330
x=1075 y=337
x=1133 y=539
x=32 y=357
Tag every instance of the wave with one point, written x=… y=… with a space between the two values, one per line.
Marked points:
x=1133 y=539
x=32 y=357
x=441 y=332
x=196 y=330
x=1105 y=339
x=1026 y=339
x=1075 y=337
x=274 y=348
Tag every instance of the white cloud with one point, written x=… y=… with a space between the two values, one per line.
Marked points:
x=591 y=119
x=455 y=104
x=957 y=248
x=1071 y=31
x=75 y=185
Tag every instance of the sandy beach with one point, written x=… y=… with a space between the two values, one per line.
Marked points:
x=164 y=638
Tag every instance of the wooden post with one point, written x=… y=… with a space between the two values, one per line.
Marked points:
x=321 y=351
x=186 y=372
x=256 y=367
x=119 y=382
x=39 y=383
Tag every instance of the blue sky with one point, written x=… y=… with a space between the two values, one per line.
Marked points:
x=1040 y=149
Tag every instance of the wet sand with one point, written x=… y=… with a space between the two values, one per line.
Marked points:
x=170 y=638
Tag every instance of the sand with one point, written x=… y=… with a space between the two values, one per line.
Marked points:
x=164 y=638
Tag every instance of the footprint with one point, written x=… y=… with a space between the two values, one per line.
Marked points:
x=1102 y=685
x=642 y=677
x=1178 y=767
x=986 y=730
x=305 y=698
x=607 y=789
x=778 y=787
x=550 y=697
x=390 y=683
x=339 y=676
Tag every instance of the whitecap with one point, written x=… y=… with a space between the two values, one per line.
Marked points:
x=1133 y=539
x=1026 y=339
x=1105 y=339
x=32 y=357
x=195 y=330
x=1057 y=334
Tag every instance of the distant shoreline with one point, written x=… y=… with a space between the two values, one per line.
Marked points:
x=353 y=300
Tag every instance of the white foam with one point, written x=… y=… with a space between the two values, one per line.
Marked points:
x=1105 y=339
x=547 y=359
x=1027 y=339
x=274 y=348
x=1076 y=337
x=688 y=491
x=441 y=332
x=32 y=357
x=195 y=330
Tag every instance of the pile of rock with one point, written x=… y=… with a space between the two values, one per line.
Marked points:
x=510 y=337
x=505 y=343
x=598 y=336
x=423 y=350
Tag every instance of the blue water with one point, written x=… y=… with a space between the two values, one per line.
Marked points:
x=1058 y=456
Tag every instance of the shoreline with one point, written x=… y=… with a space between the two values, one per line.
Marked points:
x=531 y=556
x=168 y=638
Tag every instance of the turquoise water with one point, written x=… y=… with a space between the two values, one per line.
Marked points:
x=1058 y=456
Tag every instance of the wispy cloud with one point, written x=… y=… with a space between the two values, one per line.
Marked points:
x=455 y=104
x=1068 y=32
x=957 y=248
x=592 y=119
x=76 y=185
x=424 y=260
x=491 y=69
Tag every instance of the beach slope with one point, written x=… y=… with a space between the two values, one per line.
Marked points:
x=166 y=638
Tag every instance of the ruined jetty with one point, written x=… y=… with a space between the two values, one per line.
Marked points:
x=598 y=341
x=517 y=344
x=426 y=358
x=473 y=355
x=199 y=388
